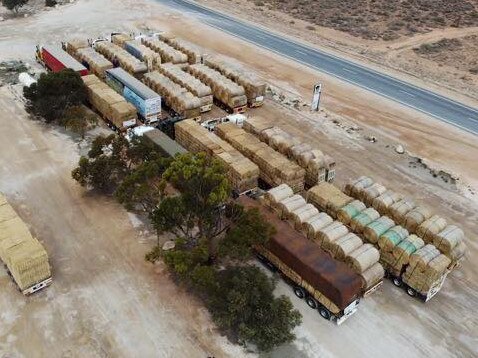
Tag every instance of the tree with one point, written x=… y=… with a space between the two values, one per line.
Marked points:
x=248 y=229
x=54 y=94
x=241 y=302
x=79 y=120
x=14 y=5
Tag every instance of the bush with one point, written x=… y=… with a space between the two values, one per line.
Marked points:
x=50 y=3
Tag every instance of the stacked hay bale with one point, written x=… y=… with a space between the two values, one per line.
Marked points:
x=301 y=215
x=415 y=217
x=97 y=63
x=109 y=103
x=344 y=246
x=275 y=168
x=451 y=242
x=119 y=55
x=121 y=39
x=242 y=173
x=369 y=194
x=254 y=86
x=365 y=261
x=74 y=45
x=289 y=204
x=384 y=201
x=143 y=53
x=327 y=197
x=355 y=187
x=318 y=166
x=359 y=222
x=330 y=233
x=275 y=195
x=395 y=254
x=377 y=228
x=168 y=53
x=313 y=225
x=193 y=52
x=426 y=270
x=176 y=97
x=398 y=210
x=224 y=90
x=428 y=229
x=191 y=83
x=350 y=211
x=23 y=255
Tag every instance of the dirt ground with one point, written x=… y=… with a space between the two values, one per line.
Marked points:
x=107 y=301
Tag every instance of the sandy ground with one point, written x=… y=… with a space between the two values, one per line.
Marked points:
x=121 y=306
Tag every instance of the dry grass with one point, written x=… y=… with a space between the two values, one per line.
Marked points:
x=381 y=19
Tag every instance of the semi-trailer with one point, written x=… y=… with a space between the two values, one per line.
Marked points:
x=327 y=285
x=120 y=57
x=163 y=143
x=146 y=101
x=55 y=59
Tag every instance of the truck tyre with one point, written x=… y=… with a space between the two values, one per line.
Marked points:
x=324 y=312
x=397 y=281
x=311 y=302
x=411 y=292
x=299 y=291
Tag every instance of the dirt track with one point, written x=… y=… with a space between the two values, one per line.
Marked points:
x=107 y=301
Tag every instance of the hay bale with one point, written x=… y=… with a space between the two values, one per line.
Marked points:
x=301 y=215
x=384 y=201
x=120 y=39
x=423 y=256
x=327 y=197
x=358 y=223
x=255 y=125
x=167 y=52
x=448 y=239
x=355 y=187
x=344 y=245
x=372 y=192
x=349 y=211
x=277 y=194
x=402 y=252
x=398 y=210
x=372 y=276
x=416 y=217
x=290 y=204
x=375 y=229
x=362 y=258
x=392 y=238
x=330 y=233
x=458 y=252
x=314 y=224
x=115 y=53
x=431 y=227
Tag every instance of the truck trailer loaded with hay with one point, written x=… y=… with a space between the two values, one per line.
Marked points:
x=120 y=57
x=23 y=255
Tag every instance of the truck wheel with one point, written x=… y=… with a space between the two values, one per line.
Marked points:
x=411 y=292
x=311 y=302
x=299 y=292
x=324 y=312
x=397 y=282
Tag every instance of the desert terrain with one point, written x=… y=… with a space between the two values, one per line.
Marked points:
x=107 y=301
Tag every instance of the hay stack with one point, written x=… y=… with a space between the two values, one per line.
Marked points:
x=300 y=216
x=223 y=89
x=193 y=52
x=254 y=86
x=416 y=217
x=275 y=168
x=401 y=253
x=372 y=276
x=277 y=194
x=398 y=210
x=314 y=224
x=344 y=246
x=362 y=258
x=112 y=106
x=167 y=53
x=384 y=201
x=120 y=39
x=377 y=228
x=392 y=238
x=372 y=192
x=330 y=233
x=74 y=45
x=428 y=229
x=447 y=240
x=349 y=211
x=97 y=63
x=176 y=97
x=358 y=223
x=115 y=53
x=191 y=83
x=143 y=53
x=242 y=173
x=355 y=187
x=287 y=205
x=327 y=197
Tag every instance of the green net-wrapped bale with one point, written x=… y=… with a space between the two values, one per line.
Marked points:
x=349 y=211
x=314 y=224
x=330 y=233
x=327 y=197
x=355 y=187
x=398 y=210
x=402 y=252
x=385 y=200
x=375 y=229
x=372 y=276
x=344 y=246
x=277 y=194
x=392 y=238
x=428 y=229
x=372 y=192
x=359 y=222
x=416 y=217
x=362 y=258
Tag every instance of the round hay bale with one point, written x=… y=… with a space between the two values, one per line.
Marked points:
x=375 y=229
x=349 y=211
x=290 y=204
x=384 y=201
x=316 y=223
x=301 y=216
x=345 y=245
x=428 y=229
x=355 y=187
x=423 y=256
x=279 y=193
x=362 y=258
x=398 y=210
x=392 y=238
x=359 y=222
x=330 y=233
x=371 y=276
x=415 y=217
x=449 y=238
x=367 y=195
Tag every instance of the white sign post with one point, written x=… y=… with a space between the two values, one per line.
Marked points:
x=316 y=97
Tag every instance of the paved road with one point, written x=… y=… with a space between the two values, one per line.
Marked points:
x=412 y=96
